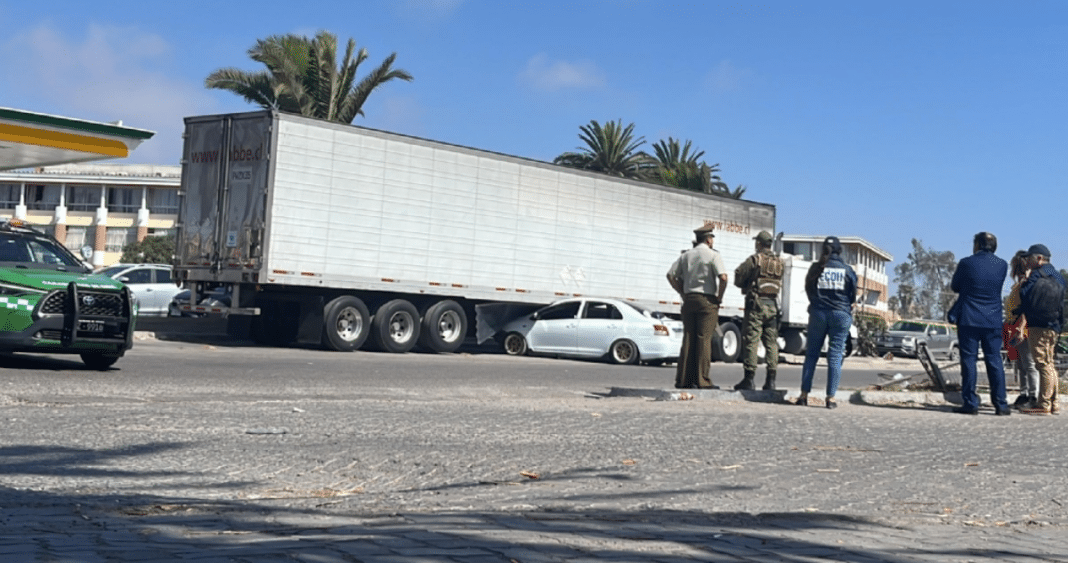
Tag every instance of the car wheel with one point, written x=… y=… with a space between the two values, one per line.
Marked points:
x=396 y=326
x=623 y=352
x=346 y=324
x=444 y=327
x=954 y=354
x=99 y=361
x=728 y=344
x=514 y=344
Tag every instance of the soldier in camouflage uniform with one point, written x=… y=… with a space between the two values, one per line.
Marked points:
x=760 y=278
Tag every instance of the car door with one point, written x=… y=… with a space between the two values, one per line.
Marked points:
x=938 y=340
x=554 y=329
x=140 y=281
x=598 y=326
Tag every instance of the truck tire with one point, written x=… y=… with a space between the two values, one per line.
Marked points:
x=444 y=327
x=395 y=326
x=346 y=324
x=623 y=352
x=99 y=360
x=727 y=346
x=793 y=342
x=514 y=344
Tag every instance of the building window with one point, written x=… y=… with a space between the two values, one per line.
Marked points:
x=9 y=195
x=802 y=249
x=76 y=238
x=43 y=198
x=124 y=200
x=83 y=198
x=118 y=238
x=163 y=201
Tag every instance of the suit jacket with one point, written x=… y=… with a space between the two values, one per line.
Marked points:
x=978 y=281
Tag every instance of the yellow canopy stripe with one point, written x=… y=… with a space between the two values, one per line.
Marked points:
x=69 y=141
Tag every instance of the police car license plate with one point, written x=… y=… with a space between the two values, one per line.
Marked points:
x=91 y=326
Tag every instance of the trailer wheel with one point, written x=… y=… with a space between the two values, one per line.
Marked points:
x=623 y=352
x=793 y=342
x=444 y=327
x=728 y=345
x=99 y=360
x=396 y=326
x=514 y=344
x=346 y=324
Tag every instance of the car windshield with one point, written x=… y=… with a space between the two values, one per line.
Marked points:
x=909 y=326
x=40 y=252
x=109 y=272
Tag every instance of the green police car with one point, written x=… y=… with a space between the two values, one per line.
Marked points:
x=52 y=303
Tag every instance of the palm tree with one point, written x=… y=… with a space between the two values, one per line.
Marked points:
x=303 y=76
x=676 y=166
x=611 y=149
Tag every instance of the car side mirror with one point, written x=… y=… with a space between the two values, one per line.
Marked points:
x=123 y=279
x=87 y=252
x=533 y=316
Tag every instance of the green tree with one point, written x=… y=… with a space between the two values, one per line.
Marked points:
x=152 y=250
x=676 y=166
x=304 y=77
x=923 y=289
x=611 y=149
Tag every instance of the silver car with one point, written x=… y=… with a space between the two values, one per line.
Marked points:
x=151 y=285
x=622 y=332
x=904 y=338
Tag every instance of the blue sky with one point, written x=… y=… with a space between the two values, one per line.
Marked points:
x=888 y=120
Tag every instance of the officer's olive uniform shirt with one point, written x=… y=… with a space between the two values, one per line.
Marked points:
x=698 y=269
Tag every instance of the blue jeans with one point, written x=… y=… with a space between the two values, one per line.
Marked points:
x=970 y=338
x=834 y=326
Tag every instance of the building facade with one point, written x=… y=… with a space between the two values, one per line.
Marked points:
x=104 y=206
x=867 y=260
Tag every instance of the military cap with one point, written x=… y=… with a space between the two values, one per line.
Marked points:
x=705 y=230
x=764 y=237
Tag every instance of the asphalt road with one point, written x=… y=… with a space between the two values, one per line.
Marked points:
x=216 y=451
x=183 y=367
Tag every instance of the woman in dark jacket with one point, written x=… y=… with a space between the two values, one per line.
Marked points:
x=831 y=286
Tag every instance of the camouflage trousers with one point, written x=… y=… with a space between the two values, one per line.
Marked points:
x=761 y=325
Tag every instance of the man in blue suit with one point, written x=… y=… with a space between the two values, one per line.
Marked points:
x=978 y=315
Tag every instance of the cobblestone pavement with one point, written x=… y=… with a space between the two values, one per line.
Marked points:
x=485 y=475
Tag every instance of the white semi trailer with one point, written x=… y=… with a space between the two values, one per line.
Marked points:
x=336 y=235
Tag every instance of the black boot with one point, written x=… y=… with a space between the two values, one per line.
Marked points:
x=746 y=383
x=769 y=381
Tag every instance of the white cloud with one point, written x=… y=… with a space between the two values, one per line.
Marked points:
x=544 y=74
x=725 y=77
x=110 y=74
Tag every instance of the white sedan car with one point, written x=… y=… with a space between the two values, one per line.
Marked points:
x=624 y=333
x=151 y=285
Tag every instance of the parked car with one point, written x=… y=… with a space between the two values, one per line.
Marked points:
x=904 y=338
x=218 y=297
x=151 y=285
x=624 y=333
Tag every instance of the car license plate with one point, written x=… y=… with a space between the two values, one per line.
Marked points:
x=91 y=326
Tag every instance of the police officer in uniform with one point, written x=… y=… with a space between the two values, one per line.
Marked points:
x=700 y=278
x=760 y=278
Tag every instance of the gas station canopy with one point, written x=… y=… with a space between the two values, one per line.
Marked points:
x=29 y=140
